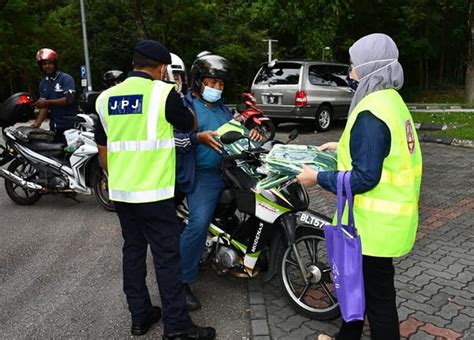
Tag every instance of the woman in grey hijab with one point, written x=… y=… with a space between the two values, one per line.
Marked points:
x=375 y=59
x=380 y=149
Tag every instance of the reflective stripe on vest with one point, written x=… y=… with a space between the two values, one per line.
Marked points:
x=386 y=216
x=142 y=196
x=140 y=145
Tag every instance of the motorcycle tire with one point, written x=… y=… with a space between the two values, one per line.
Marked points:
x=101 y=190
x=16 y=193
x=315 y=299
x=267 y=129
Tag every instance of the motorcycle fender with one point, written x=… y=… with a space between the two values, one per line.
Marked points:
x=272 y=267
x=285 y=234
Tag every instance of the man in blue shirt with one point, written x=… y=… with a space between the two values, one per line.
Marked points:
x=57 y=93
x=209 y=73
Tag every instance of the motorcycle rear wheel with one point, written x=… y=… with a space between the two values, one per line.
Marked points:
x=101 y=190
x=315 y=299
x=17 y=194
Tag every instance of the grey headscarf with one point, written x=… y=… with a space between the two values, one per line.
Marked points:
x=375 y=58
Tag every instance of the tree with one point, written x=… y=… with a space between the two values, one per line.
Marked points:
x=469 y=96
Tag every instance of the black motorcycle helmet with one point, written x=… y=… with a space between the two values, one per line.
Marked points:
x=112 y=77
x=208 y=65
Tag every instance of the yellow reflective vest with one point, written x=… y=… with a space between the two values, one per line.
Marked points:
x=386 y=217
x=140 y=144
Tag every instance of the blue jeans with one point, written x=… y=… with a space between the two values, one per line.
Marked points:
x=202 y=203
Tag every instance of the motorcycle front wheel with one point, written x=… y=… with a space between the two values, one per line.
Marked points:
x=101 y=190
x=18 y=194
x=314 y=295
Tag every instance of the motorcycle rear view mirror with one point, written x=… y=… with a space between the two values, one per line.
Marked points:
x=231 y=136
x=293 y=134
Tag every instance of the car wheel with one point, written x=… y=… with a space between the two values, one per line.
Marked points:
x=323 y=119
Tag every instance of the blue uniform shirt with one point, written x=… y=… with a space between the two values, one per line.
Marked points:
x=369 y=145
x=56 y=88
x=209 y=119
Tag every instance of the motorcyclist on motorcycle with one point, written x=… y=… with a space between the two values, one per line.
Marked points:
x=209 y=74
x=57 y=94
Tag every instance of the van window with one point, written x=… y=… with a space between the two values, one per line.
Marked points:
x=280 y=73
x=328 y=75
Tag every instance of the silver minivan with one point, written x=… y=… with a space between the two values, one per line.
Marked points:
x=303 y=90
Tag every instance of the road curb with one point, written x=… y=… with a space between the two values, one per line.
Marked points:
x=466 y=143
x=259 y=327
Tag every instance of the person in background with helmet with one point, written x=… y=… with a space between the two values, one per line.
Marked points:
x=112 y=78
x=185 y=160
x=178 y=70
x=57 y=92
x=380 y=147
x=137 y=118
x=209 y=73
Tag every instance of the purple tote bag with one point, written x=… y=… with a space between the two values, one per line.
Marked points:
x=344 y=252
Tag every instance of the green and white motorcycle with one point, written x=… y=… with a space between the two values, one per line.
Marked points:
x=272 y=230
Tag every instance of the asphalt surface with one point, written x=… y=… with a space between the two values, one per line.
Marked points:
x=61 y=276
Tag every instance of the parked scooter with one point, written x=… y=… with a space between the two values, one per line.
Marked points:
x=38 y=166
x=251 y=116
x=270 y=229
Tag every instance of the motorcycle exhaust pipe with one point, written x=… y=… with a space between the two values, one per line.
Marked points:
x=19 y=181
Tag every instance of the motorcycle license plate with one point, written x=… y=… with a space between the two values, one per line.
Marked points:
x=272 y=99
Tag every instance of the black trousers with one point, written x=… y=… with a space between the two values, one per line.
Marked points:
x=153 y=224
x=380 y=302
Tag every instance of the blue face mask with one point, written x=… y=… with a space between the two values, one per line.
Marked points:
x=211 y=95
x=352 y=83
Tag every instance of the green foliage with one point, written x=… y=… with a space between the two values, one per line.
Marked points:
x=431 y=34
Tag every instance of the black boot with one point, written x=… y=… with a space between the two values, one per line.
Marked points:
x=143 y=328
x=203 y=333
x=191 y=301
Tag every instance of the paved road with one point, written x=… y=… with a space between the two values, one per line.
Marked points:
x=60 y=273
x=435 y=282
x=60 y=276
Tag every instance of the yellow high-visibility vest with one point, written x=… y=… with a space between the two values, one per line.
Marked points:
x=386 y=217
x=140 y=145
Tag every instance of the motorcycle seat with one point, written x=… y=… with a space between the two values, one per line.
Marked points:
x=41 y=146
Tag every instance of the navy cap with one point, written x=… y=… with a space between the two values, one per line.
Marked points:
x=154 y=50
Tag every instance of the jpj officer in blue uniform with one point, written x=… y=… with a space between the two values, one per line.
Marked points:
x=57 y=95
x=136 y=146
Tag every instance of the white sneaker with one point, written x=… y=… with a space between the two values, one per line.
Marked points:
x=324 y=337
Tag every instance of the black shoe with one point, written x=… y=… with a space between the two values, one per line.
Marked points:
x=143 y=328
x=191 y=301
x=204 y=333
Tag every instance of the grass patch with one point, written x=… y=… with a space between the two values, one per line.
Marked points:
x=460 y=124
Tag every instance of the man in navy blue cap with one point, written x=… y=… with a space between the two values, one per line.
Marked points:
x=136 y=147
